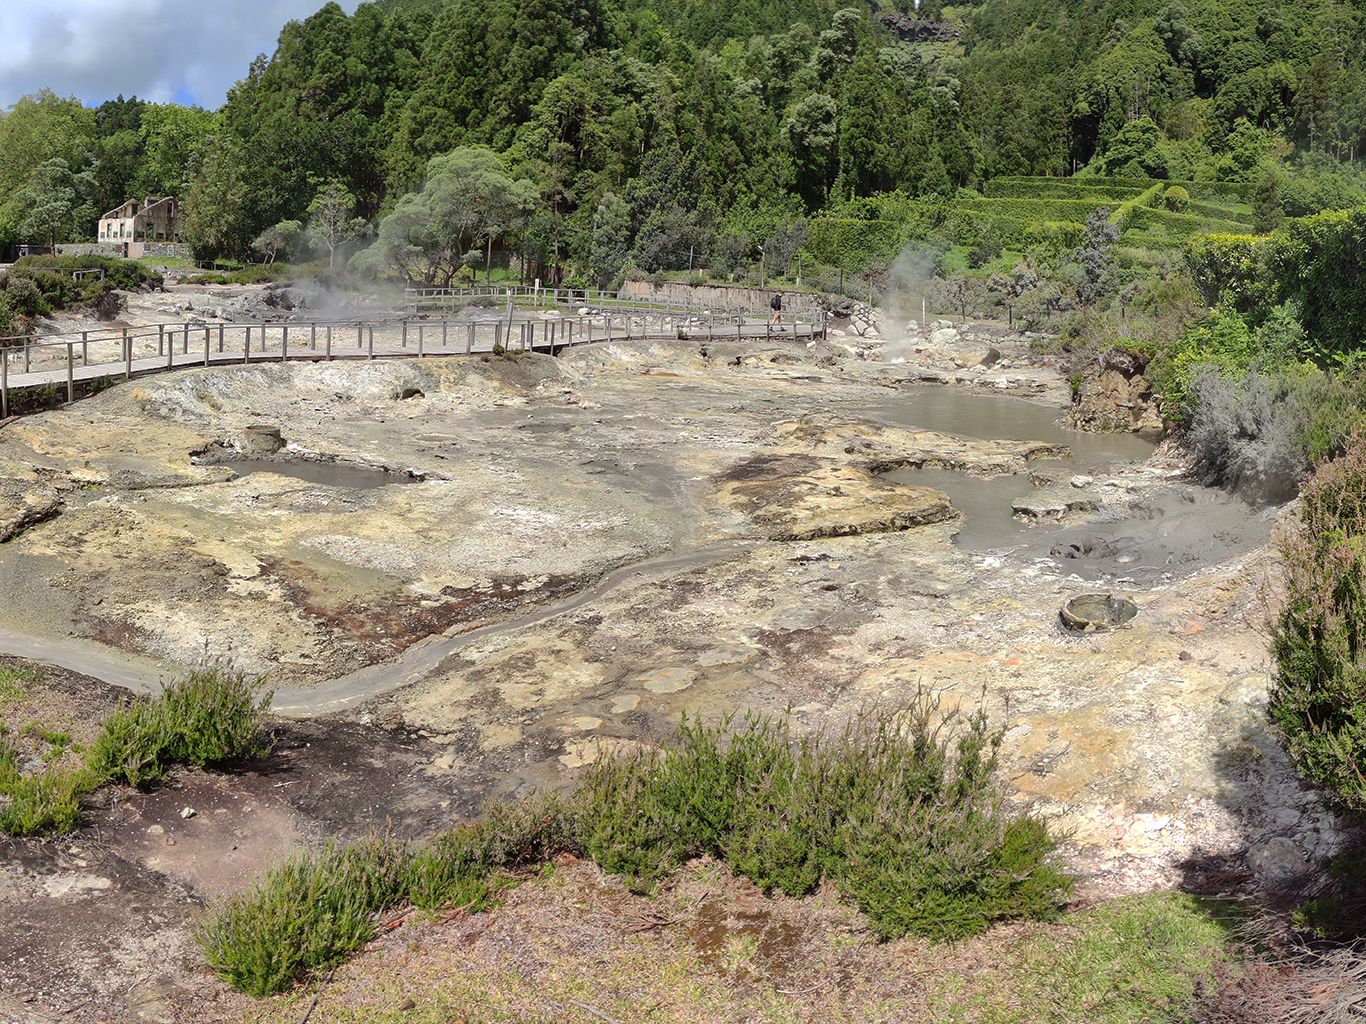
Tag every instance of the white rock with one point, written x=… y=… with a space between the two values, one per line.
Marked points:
x=1277 y=859
x=188 y=812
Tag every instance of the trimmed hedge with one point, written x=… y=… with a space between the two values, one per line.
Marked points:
x=1102 y=191
x=1183 y=223
x=856 y=244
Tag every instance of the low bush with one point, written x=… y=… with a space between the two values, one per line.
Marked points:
x=316 y=908
x=901 y=808
x=246 y=275
x=1318 y=637
x=1260 y=433
x=210 y=717
x=129 y=275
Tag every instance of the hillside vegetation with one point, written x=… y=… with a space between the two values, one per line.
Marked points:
x=688 y=137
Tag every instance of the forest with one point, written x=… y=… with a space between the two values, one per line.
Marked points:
x=588 y=137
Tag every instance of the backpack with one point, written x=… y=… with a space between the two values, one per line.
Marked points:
x=777 y=302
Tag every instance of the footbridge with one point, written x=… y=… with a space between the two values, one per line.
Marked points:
x=435 y=322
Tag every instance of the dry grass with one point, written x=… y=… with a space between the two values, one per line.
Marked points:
x=576 y=946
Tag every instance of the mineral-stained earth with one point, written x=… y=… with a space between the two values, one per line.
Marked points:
x=553 y=555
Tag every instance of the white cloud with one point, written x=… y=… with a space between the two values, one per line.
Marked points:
x=190 y=51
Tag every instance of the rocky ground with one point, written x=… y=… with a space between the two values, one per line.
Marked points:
x=573 y=552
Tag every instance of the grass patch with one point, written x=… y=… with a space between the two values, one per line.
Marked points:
x=901 y=809
x=210 y=717
x=13 y=684
x=1135 y=959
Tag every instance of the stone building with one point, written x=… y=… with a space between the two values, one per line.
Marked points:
x=154 y=219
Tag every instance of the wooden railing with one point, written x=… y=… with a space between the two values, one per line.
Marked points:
x=45 y=360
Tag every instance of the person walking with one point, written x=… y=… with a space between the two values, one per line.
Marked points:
x=776 y=317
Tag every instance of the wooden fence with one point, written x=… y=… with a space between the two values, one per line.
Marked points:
x=32 y=361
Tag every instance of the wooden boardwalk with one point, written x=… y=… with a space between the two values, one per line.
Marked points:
x=121 y=353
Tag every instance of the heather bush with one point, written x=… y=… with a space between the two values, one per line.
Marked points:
x=1318 y=638
x=901 y=808
x=211 y=716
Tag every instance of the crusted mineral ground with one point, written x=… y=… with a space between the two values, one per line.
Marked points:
x=573 y=552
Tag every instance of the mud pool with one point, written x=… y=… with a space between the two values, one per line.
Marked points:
x=1121 y=540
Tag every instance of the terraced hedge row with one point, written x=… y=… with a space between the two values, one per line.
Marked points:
x=1105 y=193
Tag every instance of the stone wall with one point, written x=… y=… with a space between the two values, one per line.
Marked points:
x=802 y=303
x=166 y=250
x=136 y=250
x=90 y=249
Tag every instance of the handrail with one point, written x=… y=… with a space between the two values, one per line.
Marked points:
x=398 y=336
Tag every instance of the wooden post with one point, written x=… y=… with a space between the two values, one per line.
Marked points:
x=70 y=371
x=85 y=349
x=220 y=337
x=284 y=344
x=419 y=341
x=4 y=382
x=469 y=340
x=444 y=325
x=207 y=342
x=246 y=346
x=360 y=335
x=329 y=341
x=313 y=337
x=26 y=352
x=127 y=355
x=372 y=341
x=185 y=342
x=170 y=351
x=498 y=334
x=405 y=331
x=161 y=337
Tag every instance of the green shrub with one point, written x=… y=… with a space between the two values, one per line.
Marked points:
x=246 y=275
x=901 y=808
x=129 y=275
x=1318 y=639
x=308 y=913
x=1176 y=199
x=46 y=803
x=209 y=717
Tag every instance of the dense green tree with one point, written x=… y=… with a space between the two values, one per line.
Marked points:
x=217 y=212
x=468 y=199
x=44 y=206
x=611 y=238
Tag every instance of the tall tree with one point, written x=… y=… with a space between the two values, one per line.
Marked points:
x=611 y=238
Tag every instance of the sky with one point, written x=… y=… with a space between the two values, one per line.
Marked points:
x=182 y=51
